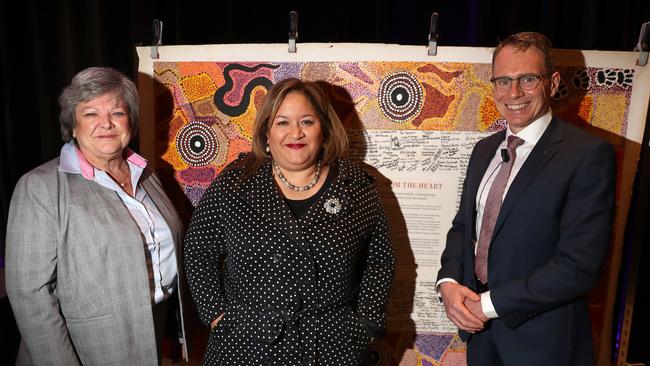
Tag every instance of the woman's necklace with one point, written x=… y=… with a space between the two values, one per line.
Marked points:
x=294 y=187
x=124 y=182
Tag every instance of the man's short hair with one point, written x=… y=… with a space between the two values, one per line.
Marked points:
x=523 y=41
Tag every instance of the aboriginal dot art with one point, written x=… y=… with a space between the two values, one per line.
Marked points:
x=215 y=103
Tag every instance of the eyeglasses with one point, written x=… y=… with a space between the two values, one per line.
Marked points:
x=525 y=82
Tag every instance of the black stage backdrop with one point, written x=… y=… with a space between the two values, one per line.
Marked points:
x=44 y=43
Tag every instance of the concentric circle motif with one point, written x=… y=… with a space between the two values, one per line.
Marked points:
x=400 y=97
x=197 y=144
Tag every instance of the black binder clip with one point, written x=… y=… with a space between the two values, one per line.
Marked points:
x=433 y=35
x=157 y=26
x=643 y=46
x=293 y=31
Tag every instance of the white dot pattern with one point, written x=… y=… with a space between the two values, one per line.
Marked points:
x=294 y=291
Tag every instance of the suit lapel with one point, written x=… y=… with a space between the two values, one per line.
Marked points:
x=484 y=157
x=336 y=199
x=541 y=154
x=261 y=194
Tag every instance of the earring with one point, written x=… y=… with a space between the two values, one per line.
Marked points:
x=267 y=149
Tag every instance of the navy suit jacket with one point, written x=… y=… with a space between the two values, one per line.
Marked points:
x=548 y=244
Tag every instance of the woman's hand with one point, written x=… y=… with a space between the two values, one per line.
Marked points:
x=214 y=322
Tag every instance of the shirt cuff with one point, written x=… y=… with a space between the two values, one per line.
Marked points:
x=442 y=280
x=487 y=306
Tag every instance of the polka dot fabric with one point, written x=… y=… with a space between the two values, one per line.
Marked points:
x=294 y=291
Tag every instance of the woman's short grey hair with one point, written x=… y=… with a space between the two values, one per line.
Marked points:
x=91 y=83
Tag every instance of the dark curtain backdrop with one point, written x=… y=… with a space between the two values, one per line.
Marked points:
x=44 y=43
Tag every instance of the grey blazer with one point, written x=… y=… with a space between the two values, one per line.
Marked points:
x=76 y=271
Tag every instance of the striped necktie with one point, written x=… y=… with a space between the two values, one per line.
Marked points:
x=491 y=210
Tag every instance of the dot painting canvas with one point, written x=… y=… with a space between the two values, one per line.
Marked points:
x=412 y=121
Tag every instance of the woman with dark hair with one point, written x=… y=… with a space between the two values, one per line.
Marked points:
x=93 y=242
x=288 y=253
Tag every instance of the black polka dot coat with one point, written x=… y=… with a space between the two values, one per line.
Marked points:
x=308 y=291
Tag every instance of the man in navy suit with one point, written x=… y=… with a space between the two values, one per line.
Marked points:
x=518 y=295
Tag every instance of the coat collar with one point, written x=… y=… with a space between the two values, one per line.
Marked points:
x=336 y=200
x=261 y=194
x=72 y=160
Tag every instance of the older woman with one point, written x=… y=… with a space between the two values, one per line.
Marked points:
x=92 y=252
x=288 y=254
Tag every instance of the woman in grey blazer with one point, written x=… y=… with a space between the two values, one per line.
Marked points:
x=288 y=254
x=93 y=243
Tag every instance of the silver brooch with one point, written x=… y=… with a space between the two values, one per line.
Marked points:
x=332 y=205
